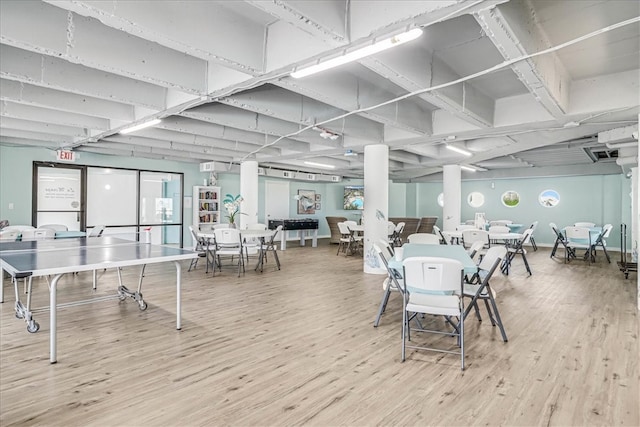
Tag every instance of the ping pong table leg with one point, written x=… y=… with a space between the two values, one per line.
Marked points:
x=53 y=318
x=2 y=286
x=178 y=301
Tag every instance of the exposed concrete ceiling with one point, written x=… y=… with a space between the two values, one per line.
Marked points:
x=525 y=85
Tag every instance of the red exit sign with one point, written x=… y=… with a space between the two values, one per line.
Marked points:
x=66 y=155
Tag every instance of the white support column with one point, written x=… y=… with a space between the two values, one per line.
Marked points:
x=376 y=205
x=249 y=192
x=452 y=189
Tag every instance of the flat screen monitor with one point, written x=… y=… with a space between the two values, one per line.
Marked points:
x=353 y=197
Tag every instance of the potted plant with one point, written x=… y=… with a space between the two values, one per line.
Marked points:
x=232 y=206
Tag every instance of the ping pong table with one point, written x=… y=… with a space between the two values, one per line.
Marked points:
x=57 y=257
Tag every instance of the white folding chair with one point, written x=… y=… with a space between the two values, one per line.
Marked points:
x=560 y=240
x=518 y=249
x=578 y=238
x=424 y=238
x=345 y=238
x=472 y=235
x=99 y=229
x=533 y=227
x=585 y=224
x=227 y=243
x=55 y=227
x=433 y=286
x=437 y=231
x=602 y=240
x=392 y=283
x=271 y=246
x=9 y=235
x=199 y=246
x=479 y=288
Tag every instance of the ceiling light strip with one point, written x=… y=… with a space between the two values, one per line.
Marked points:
x=320 y=165
x=458 y=150
x=385 y=44
x=140 y=126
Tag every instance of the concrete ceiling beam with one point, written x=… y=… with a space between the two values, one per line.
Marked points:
x=49 y=98
x=48 y=115
x=86 y=41
x=514 y=31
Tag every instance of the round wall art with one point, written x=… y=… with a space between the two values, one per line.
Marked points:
x=441 y=199
x=549 y=198
x=510 y=199
x=475 y=199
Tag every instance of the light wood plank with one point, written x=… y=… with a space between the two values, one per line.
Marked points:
x=297 y=346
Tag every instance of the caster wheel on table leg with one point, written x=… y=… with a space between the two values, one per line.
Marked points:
x=33 y=327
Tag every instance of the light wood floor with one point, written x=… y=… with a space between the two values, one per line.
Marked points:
x=297 y=347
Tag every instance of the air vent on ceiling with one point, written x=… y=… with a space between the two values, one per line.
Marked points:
x=261 y=171
x=600 y=154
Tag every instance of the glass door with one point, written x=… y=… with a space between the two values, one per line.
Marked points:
x=59 y=196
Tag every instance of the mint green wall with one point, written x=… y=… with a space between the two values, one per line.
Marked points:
x=16 y=168
x=598 y=198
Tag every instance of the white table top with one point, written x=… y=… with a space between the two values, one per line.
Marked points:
x=457 y=234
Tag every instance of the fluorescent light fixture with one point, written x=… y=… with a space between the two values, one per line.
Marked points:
x=468 y=168
x=320 y=165
x=359 y=53
x=141 y=126
x=458 y=150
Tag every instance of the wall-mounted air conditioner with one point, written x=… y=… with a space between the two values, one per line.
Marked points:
x=288 y=174
x=206 y=167
x=336 y=178
x=311 y=176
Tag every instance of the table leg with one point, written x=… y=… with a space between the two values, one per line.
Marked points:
x=302 y=237
x=283 y=240
x=2 y=286
x=53 y=307
x=178 y=294
x=315 y=238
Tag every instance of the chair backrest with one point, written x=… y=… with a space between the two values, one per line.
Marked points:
x=194 y=235
x=606 y=230
x=350 y=223
x=385 y=244
x=400 y=228
x=433 y=274
x=463 y=227
x=534 y=225
x=577 y=233
x=99 y=229
x=274 y=235
x=499 y=229
x=381 y=255
x=44 y=233
x=391 y=227
x=443 y=238
x=475 y=248
x=256 y=226
x=557 y=232
x=18 y=228
x=227 y=236
x=492 y=258
x=470 y=236
x=55 y=227
x=344 y=230
x=584 y=224
x=424 y=238
x=9 y=235
x=526 y=236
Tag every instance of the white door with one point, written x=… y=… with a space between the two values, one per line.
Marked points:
x=276 y=204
